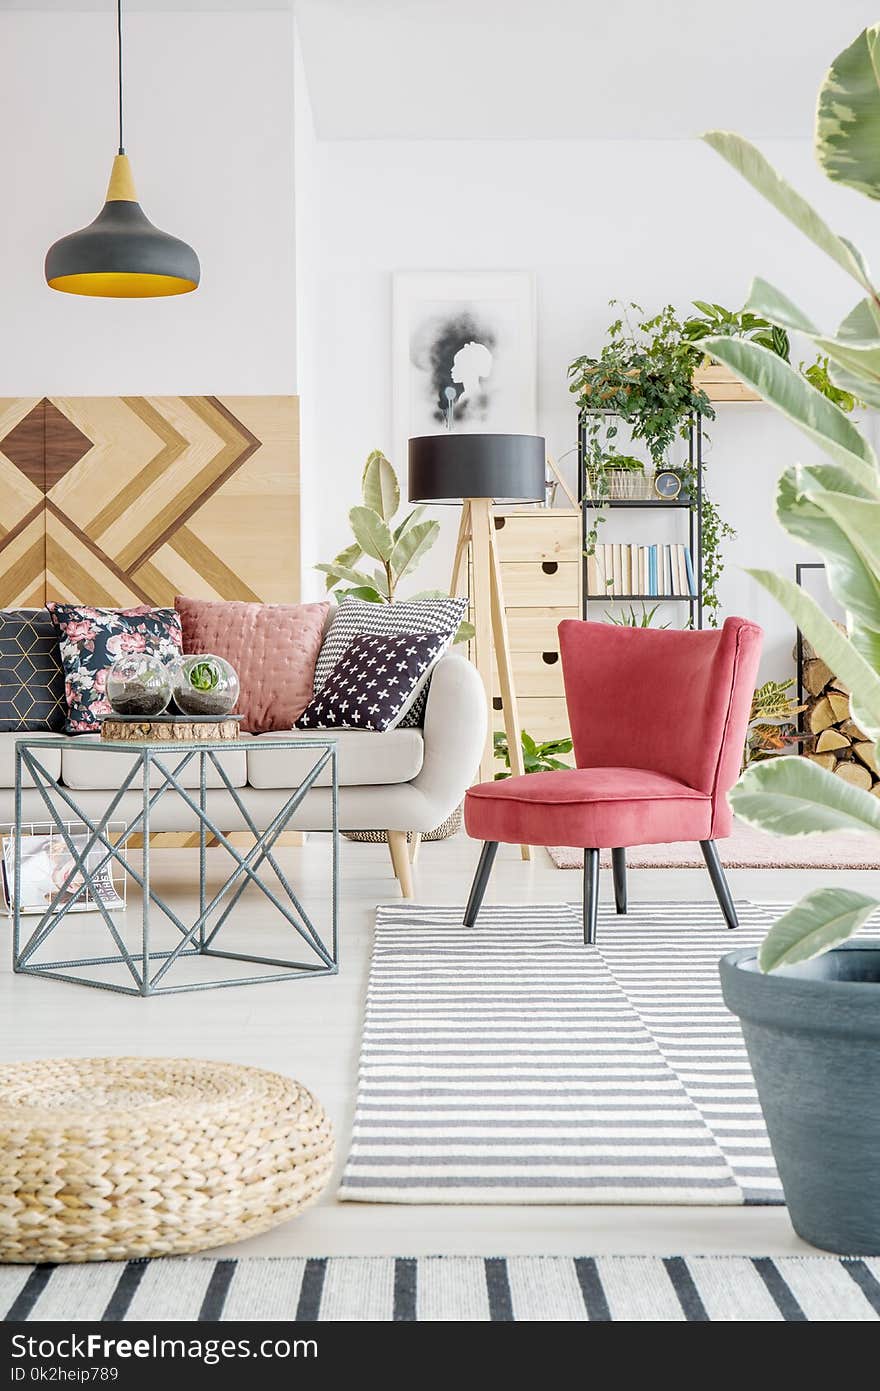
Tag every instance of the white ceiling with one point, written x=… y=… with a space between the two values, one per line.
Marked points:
x=542 y=69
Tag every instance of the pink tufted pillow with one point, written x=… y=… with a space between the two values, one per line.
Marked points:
x=273 y=647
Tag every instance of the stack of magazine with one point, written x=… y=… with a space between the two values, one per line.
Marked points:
x=624 y=568
x=46 y=863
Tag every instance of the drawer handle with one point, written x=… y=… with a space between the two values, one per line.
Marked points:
x=549 y=566
x=499 y=522
x=496 y=703
x=551 y=658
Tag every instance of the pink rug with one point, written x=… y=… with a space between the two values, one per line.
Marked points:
x=745 y=848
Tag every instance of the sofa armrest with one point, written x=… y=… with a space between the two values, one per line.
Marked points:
x=455 y=731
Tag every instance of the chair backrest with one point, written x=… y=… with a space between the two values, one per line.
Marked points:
x=676 y=702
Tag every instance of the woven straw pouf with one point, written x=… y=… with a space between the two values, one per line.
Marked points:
x=104 y=1159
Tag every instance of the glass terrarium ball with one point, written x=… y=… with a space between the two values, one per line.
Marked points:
x=205 y=685
x=139 y=684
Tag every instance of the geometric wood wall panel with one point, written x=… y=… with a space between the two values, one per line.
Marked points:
x=116 y=500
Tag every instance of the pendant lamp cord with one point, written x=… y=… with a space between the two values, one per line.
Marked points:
x=119 y=69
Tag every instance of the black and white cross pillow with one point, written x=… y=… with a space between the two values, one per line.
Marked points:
x=375 y=682
x=442 y=617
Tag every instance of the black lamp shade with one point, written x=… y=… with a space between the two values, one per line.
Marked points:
x=122 y=255
x=450 y=467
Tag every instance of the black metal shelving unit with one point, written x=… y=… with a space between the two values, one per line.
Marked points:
x=693 y=506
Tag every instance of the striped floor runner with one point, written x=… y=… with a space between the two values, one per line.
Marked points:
x=450 y=1288
x=508 y=1064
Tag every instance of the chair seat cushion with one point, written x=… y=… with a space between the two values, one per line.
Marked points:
x=363 y=758
x=597 y=807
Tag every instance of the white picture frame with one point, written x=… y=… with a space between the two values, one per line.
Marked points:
x=471 y=333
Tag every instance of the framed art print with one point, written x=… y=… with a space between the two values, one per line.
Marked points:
x=464 y=353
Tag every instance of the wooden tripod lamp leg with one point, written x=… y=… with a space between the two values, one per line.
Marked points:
x=459 y=563
x=481 y=603
x=505 y=668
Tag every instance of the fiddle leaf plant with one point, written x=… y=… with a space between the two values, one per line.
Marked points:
x=834 y=506
x=397 y=549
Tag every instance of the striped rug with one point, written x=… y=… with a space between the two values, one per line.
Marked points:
x=450 y=1288
x=506 y=1063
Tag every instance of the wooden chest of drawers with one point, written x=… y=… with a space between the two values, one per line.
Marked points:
x=540 y=558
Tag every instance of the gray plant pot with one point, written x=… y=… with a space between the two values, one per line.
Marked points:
x=813 y=1036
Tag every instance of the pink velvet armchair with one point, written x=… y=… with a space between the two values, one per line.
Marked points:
x=658 y=719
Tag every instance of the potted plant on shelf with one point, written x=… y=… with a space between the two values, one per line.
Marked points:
x=809 y=998
x=712 y=375
x=624 y=472
x=644 y=377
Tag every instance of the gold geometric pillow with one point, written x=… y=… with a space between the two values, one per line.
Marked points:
x=31 y=678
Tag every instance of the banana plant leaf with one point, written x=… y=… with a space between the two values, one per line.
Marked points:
x=408 y=550
x=783 y=387
x=794 y=797
x=822 y=920
x=336 y=572
x=379 y=486
x=832 y=645
x=754 y=167
x=371 y=532
x=847 y=135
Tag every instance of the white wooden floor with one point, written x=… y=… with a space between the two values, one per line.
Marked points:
x=311 y=1029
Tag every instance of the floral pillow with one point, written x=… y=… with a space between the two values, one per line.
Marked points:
x=92 y=639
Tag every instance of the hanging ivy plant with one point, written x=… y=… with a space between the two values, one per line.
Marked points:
x=644 y=376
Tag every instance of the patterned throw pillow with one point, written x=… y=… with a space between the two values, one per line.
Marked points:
x=374 y=683
x=31 y=679
x=91 y=640
x=441 y=617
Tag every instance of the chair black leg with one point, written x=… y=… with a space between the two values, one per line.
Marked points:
x=618 y=864
x=719 y=882
x=591 y=895
x=481 y=879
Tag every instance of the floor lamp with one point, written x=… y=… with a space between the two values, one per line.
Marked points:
x=474 y=471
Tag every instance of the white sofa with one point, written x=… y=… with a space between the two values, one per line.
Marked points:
x=400 y=781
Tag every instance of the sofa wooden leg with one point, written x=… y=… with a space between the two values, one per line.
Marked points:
x=400 y=860
x=618 y=864
x=719 y=882
x=415 y=846
x=591 y=896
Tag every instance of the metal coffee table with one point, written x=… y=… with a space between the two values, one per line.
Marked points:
x=149 y=968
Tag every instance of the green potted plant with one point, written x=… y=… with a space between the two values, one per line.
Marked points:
x=537 y=758
x=396 y=549
x=623 y=472
x=809 y=998
x=644 y=377
x=715 y=320
x=772 y=727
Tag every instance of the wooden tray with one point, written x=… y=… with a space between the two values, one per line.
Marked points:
x=170 y=729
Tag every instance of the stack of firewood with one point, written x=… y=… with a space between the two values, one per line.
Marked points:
x=832 y=738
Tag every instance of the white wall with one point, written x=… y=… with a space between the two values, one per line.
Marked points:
x=209 y=130
x=652 y=221
x=308 y=320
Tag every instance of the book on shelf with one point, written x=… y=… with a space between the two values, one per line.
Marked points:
x=653 y=572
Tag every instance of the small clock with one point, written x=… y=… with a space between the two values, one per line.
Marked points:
x=667 y=484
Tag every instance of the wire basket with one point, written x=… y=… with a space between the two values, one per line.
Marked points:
x=46 y=864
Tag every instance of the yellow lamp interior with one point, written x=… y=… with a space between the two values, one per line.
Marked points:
x=122 y=284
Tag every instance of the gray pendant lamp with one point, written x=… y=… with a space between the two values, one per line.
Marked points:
x=121 y=255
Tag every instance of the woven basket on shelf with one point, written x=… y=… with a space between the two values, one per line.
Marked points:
x=450 y=827
x=104 y=1159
